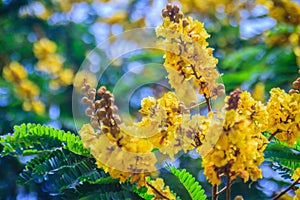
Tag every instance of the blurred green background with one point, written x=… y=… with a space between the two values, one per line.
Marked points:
x=257 y=44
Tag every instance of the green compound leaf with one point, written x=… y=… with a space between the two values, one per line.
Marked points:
x=29 y=139
x=190 y=183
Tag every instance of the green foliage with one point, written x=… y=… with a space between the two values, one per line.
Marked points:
x=62 y=165
x=190 y=183
x=284 y=159
x=28 y=139
x=142 y=192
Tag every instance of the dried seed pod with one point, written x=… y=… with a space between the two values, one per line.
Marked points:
x=84 y=100
x=165 y=13
x=101 y=113
x=98 y=104
x=117 y=119
x=296 y=83
x=90 y=103
x=105 y=130
x=114 y=108
x=221 y=93
x=293 y=91
x=88 y=112
x=101 y=90
x=169 y=7
x=91 y=96
x=95 y=124
x=234 y=99
x=176 y=9
x=221 y=86
x=179 y=15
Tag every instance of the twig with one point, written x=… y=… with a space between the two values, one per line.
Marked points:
x=196 y=105
x=195 y=73
x=228 y=187
x=208 y=104
x=222 y=190
x=214 y=192
x=273 y=135
x=286 y=190
x=158 y=192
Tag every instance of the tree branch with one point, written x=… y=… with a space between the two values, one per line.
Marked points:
x=286 y=190
x=157 y=191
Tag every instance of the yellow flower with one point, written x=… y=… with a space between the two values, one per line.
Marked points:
x=238 y=151
x=27 y=89
x=296 y=174
x=159 y=185
x=284 y=115
x=51 y=64
x=43 y=48
x=15 y=72
x=66 y=76
x=38 y=107
x=186 y=53
x=147 y=104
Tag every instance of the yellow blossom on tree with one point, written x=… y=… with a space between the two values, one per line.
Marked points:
x=43 y=48
x=15 y=72
x=159 y=190
x=284 y=115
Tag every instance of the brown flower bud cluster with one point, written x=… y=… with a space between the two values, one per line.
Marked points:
x=219 y=91
x=233 y=99
x=101 y=112
x=174 y=13
x=295 y=85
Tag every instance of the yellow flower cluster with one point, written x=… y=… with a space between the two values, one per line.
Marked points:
x=284 y=112
x=27 y=90
x=159 y=190
x=117 y=151
x=186 y=54
x=126 y=158
x=52 y=63
x=239 y=149
x=126 y=151
x=162 y=124
x=231 y=8
x=283 y=10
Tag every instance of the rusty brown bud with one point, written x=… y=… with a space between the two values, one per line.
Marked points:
x=169 y=7
x=101 y=90
x=293 y=91
x=185 y=22
x=176 y=9
x=84 y=100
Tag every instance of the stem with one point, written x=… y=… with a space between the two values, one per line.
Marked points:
x=286 y=190
x=195 y=73
x=196 y=105
x=222 y=190
x=208 y=104
x=273 y=135
x=228 y=187
x=215 y=192
x=158 y=192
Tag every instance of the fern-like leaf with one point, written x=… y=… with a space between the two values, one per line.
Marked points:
x=284 y=159
x=28 y=139
x=142 y=192
x=189 y=182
